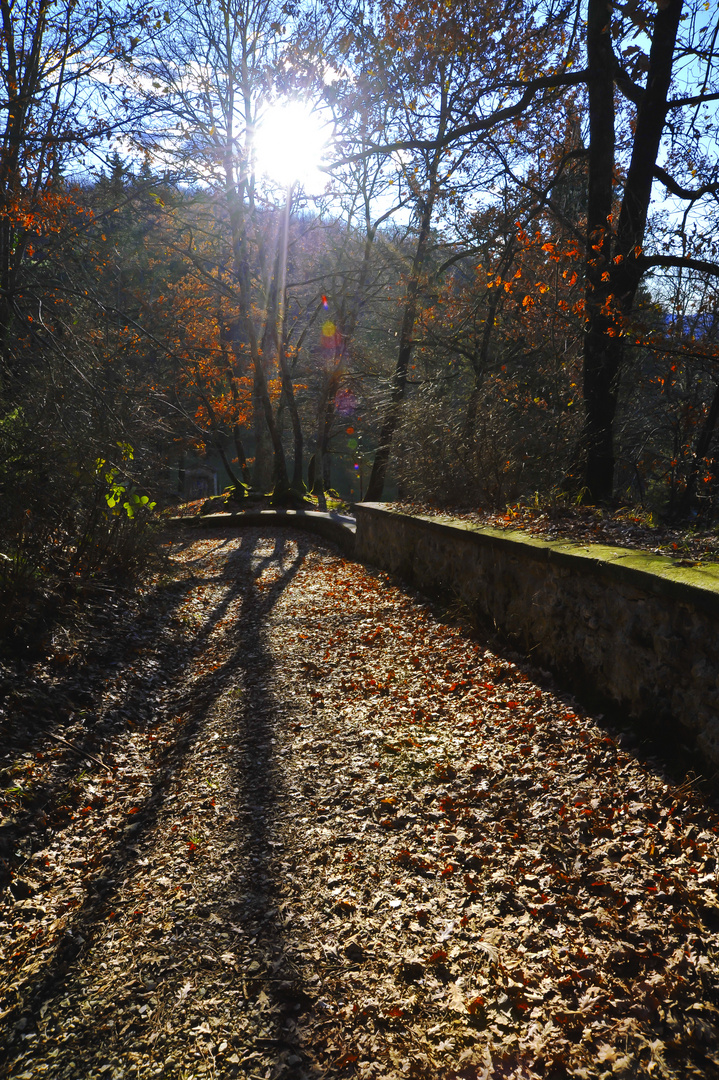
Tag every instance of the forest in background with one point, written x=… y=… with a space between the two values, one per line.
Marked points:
x=506 y=291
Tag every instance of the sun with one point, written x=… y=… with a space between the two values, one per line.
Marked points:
x=290 y=142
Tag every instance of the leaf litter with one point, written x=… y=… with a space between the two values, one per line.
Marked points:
x=292 y=824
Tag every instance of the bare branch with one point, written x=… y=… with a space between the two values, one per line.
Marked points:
x=479 y=124
x=684 y=193
x=679 y=262
x=697 y=99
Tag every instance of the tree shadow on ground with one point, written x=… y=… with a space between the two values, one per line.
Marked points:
x=147 y=657
x=258 y=781
x=278 y=978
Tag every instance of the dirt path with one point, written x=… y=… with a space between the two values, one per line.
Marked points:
x=302 y=828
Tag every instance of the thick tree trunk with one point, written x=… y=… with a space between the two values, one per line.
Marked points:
x=601 y=362
x=601 y=370
x=651 y=118
x=614 y=270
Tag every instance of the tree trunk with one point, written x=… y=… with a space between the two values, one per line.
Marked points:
x=480 y=360
x=181 y=475
x=262 y=469
x=259 y=383
x=345 y=333
x=601 y=361
x=601 y=370
x=700 y=453
x=24 y=84
x=398 y=385
x=287 y=387
x=297 y=437
x=240 y=451
x=615 y=270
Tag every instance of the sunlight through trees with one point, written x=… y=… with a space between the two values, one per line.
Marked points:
x=495 y=277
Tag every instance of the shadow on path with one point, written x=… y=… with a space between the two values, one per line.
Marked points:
x=244 y=653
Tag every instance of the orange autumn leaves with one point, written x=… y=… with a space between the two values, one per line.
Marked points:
x=40 y=213
x=204 y=332
x=543 y=274
x=213 y=365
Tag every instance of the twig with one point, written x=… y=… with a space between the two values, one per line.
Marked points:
x=78 y=750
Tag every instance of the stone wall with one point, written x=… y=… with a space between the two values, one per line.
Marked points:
x=639 y=630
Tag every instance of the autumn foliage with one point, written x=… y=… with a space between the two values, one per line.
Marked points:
x=494 y=298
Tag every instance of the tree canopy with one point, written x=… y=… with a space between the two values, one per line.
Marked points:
x=505 y=285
